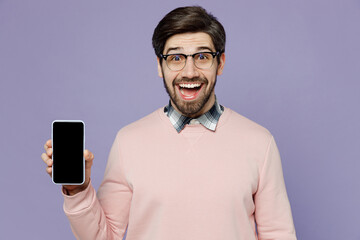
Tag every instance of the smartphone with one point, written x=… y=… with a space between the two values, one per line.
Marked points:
x=68 y=143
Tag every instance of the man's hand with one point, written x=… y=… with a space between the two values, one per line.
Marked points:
x=70 y=189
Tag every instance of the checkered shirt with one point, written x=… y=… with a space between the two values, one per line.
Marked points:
x=208 y=119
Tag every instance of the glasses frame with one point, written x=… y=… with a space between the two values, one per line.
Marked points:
x=214 y=54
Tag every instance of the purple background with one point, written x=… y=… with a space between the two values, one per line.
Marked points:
x=291 y=66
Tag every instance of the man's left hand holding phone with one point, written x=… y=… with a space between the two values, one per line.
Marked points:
x=67 y=160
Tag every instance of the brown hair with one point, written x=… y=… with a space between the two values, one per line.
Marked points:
x=188 y=19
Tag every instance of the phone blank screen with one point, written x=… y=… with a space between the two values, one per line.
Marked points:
x=68 y=152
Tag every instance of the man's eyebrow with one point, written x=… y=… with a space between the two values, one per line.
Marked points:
x=197 y=49
x=204 y=48
x=173 y=49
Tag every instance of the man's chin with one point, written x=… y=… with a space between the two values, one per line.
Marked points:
x=190 y=108
x=189 y=111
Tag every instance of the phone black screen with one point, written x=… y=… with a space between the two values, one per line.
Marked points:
x=68 y=152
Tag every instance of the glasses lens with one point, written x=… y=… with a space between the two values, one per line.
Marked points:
x=203 y=60
x=175 y=62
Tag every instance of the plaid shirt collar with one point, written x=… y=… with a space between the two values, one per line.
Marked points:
x=208 y=119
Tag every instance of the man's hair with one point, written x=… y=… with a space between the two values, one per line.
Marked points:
x=188 y=20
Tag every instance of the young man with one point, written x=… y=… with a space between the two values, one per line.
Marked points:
x=192 y=169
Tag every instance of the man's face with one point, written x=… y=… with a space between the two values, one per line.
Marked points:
x=196 y=99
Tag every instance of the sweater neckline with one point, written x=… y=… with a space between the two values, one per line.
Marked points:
x=194 y=128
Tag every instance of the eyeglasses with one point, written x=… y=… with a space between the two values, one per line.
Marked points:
x=202 y=60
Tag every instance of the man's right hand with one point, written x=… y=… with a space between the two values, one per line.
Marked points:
x=69 y=189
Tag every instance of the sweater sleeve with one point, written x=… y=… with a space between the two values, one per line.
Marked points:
x=105 y=215
x=272 y=208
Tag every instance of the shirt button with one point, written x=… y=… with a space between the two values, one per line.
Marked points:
x=194 y=121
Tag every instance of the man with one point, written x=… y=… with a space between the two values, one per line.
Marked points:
x=192 y=169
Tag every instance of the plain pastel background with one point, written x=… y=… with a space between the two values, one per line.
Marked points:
x=292 y=66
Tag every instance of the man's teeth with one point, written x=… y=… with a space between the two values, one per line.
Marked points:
x=185 y=85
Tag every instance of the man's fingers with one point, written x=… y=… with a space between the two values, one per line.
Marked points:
x=46 y=156
x=48 y=144
x=49 y=152
x=49 y=170
x=48 y=148
x=88 y=155
x=46 y=159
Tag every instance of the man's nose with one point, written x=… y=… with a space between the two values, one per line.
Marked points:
x=190 y=70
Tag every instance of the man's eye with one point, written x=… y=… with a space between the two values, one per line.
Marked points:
x=175 y=58
x=202 y=56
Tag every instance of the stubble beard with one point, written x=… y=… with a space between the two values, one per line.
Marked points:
x=190 y=108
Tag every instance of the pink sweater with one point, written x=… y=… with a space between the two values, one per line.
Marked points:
x=196 y=184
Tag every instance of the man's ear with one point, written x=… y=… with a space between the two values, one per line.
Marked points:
x=221 y=64
x=159 y=68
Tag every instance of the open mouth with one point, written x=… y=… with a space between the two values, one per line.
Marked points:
x=189 y=91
